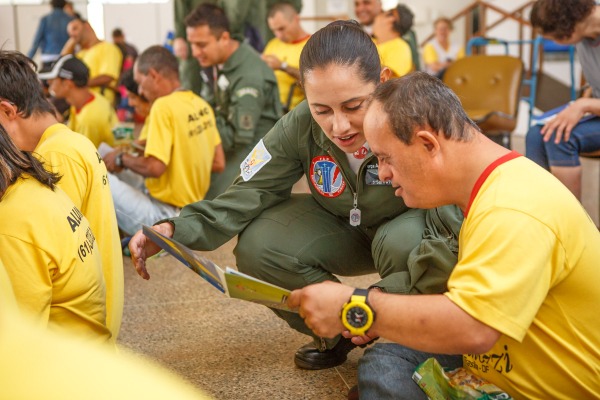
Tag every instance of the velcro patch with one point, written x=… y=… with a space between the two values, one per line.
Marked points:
x=247 y=91
x=326 y=176
x=258 y=158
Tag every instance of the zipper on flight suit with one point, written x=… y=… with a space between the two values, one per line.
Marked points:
x=358 y=174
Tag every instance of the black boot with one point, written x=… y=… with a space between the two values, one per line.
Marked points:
x=310 y=357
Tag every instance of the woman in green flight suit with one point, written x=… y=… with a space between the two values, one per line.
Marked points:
x=350 y=224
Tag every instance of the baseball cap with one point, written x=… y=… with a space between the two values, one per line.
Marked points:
x=68 y=67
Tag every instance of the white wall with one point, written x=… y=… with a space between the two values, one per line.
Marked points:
x=147 y=24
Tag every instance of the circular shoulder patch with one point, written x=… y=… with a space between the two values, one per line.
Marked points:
x=326 y=176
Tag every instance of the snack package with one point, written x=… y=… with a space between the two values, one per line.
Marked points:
x=457 y=384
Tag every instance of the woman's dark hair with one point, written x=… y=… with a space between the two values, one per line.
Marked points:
x=404 y=20
x=20 y=85
x=557 y=18
x=14 y=163
x=343 y=43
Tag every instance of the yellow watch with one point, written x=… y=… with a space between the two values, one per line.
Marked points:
x=357 y=315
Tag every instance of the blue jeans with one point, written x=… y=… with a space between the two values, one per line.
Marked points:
x=385 y=371
x=134 y=206
x=585 y=138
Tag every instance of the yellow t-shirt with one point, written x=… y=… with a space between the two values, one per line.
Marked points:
x=52 y=260
x=396 y=55
x=434 y=52
x=36 y=362
x=290 y=53
x=528 y=267
x=7 y=295
x=103 y=58
x=182 y=133
x=85 y=180
x=96 y=121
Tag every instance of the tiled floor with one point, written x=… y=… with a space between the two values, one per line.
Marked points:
x=230 y=348
x=234 y=349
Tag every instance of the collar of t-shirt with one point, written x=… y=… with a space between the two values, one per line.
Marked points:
x=487 y=172
x=356 y=159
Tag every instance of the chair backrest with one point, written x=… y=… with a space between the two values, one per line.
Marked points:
x=487 y=82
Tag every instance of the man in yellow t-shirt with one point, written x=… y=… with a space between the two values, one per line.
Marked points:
x=395 y=52
x=104 y=59
x=29 y=119
x=48 y=249
x=520 y=304
x=183 y=146
x=282 y=53
x=90 y=114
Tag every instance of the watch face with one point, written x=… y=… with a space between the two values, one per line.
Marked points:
x=357 y=317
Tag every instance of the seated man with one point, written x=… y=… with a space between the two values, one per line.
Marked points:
x=282 y=53
x=181 y=146
x=30 y=121
x=103 y=58
x=528 y=262
x=395 y=53
x=90 y=114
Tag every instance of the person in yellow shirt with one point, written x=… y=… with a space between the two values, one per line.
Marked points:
x=48 y=248
x=35 y=362
x=395 y=53
x=104 y=59
x=90 y=114
x=183 y=147
x=282 y=53
x=520 y=304
x=31 y=122
x=440 y=52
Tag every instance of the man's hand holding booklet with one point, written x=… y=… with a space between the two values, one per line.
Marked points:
x=229 y=281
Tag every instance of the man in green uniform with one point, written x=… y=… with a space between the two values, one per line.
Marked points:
x=243 y=90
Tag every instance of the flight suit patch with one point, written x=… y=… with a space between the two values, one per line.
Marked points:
x=258 y=158
x=326 y=176
x=372 y=176
x=246 y=122
x=250 y=91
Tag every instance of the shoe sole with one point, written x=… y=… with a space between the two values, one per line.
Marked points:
x=315 y=366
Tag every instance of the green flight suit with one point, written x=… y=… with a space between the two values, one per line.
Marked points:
x=245 y=99
x=296 y=240
x=239 y=13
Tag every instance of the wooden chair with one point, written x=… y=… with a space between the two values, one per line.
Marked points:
x=489 y=87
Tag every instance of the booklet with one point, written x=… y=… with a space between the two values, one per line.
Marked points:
x=546 y=117
x=229 y=281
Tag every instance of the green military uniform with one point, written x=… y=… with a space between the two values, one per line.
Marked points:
x=294 y=241
x=239 y=13
x=245 y=98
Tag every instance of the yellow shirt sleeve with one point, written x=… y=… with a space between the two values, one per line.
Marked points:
x=396 y=55
x=429 y=54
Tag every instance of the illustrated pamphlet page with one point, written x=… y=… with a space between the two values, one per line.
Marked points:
x=231 y=282
x=245 y=287
x=210 y=272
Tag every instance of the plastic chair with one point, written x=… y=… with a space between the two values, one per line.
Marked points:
x=489 y=88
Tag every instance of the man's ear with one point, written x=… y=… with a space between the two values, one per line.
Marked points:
x=385 y=74
x=225 y=36
x=428 y=140
x=8 y=110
